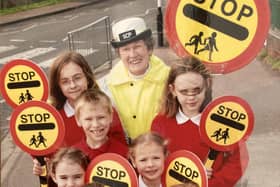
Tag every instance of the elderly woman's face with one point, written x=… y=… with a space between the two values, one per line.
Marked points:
x=135 y=57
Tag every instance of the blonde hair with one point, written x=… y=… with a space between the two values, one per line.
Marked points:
x=94 y=96
x=147 y=138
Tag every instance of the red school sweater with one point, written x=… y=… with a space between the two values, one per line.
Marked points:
x=110 y=146
x=228 y=166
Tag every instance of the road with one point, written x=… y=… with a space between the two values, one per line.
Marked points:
x=42 y=39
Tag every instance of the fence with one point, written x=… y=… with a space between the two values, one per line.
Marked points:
x=93 y=42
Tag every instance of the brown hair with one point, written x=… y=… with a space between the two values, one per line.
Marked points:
x=146 y=138
x=70 y=153
x=57 y=97
x=170 y=104
x=94 y=96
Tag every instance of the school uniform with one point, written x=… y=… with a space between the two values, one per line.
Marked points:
x=110 y=146
x=74 y=133
x=136 y=98
x=183 y=133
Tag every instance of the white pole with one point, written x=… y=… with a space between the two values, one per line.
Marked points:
x=158 y=3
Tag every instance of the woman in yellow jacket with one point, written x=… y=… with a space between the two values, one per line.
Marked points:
x=136 y=82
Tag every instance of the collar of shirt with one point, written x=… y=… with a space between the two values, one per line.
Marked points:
x=69 y=110
x=181 y=118
x=141 y=182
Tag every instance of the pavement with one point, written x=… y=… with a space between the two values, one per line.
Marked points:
x=256 y=83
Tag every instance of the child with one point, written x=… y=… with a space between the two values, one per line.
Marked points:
x=70 y=75
x=68 y=167
x=94 y=113
x=187 y=91
x=147 y=153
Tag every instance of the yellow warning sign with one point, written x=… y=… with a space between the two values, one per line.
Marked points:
x=226 y=121
x=23 y=81
x=184 y=167
x=111 y=170
x=37 y=128
x=216 y=31
x=226 y=35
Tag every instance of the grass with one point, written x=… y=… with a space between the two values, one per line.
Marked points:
x=30 y=6
x=274 y=62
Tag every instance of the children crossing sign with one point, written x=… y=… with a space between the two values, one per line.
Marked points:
x=37 y=128
x=111 y=169
x=184 y=167
x=22 y=81
x=225 y=122
x=226 y=35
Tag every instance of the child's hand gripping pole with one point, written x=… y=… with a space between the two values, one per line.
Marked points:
x=43 y=176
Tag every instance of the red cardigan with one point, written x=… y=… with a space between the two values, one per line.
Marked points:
x=228 y=166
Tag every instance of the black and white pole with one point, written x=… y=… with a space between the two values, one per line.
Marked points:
x=159 y=24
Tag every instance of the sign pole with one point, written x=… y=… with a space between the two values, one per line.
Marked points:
x=43 y=177
x=212 y=155
x=160 y=24
x=38 y=129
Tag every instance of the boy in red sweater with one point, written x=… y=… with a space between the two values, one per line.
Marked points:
x=187 y=92
x=94 y=113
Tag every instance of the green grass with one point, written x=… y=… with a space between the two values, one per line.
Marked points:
x=29 y=6
x=272 y=61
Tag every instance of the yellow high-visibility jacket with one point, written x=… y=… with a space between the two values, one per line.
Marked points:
x=136 y=100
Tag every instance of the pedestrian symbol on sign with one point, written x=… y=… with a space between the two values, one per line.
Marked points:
x=25 y=97
x=219 y=134
x=209 y=44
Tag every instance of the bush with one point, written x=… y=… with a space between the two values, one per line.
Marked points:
x=274 y=62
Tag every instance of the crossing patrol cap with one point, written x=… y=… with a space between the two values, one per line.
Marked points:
x=129 y=30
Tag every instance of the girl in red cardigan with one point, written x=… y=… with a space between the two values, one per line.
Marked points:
x=187 y=92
